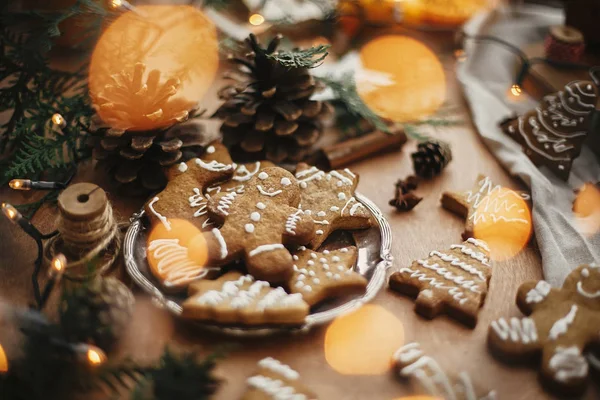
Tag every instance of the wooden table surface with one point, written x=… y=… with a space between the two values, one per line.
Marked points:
x=415 y=234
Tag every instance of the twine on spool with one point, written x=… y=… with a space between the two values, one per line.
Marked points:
x=564 y=44
x=87 y=232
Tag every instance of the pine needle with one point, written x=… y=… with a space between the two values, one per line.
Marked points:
x=301 y=58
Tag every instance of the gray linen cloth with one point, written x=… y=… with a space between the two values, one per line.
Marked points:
x=486 y=75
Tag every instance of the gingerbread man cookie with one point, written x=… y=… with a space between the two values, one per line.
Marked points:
x=256 y=225
x=455 y=281
x=488 y=203
x=410 y=361
x=328 y=197
x=240 y=299
x=276 y=381
x=319 y=276
x=183 y=197
x=562 y=324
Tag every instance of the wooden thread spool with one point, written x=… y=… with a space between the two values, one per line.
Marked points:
x=88 y=233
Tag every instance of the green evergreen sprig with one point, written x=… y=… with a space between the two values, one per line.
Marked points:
x=301 y=58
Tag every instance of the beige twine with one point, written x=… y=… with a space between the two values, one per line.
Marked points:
x=86 y=240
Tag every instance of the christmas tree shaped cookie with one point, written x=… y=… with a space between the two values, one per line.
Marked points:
x=455 y=281
x=183 y=197
x=276 y=381
x=240 y=299
x=256 y=225
x=553 y=133
x=561 y=325
x=488 y=205
x=328 y=198
x=318 y=276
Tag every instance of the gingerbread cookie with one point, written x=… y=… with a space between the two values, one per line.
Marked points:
x=562 y=324
x=240 y=299
x=167 y=255
x=256 y=225
x=328 y=197
x=276 y=381
x=487 y=203
x=183 y=197
x=455 y=281
x=410 y=362
x=554 y=132
x=318 y=276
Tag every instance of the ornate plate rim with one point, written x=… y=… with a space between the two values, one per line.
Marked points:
x=375 y=283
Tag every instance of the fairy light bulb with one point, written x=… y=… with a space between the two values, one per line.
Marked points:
x=95 y=356
x=3 y=361
x=516 y=90
x=58 y=265
x=256 y=19
x=20 y=184
x=11 y=212
x=58 y=120
x=116 y=3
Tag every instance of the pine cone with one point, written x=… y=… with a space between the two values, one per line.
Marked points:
x=267 y=111
x=97 y=311
x=139 y=129
x=431 y=158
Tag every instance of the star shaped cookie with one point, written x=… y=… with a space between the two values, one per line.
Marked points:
x=328 y=197
x=321 y=275
x=240 y=299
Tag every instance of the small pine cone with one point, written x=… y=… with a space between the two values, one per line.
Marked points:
x=431 y=158
x=97 y=312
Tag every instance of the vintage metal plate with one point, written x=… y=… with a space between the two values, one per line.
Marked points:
x=374 y=258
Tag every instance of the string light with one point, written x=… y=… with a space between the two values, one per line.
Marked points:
x=11 y=213
x=58 y=265
x=58 y=120
x=95 y=356
x=26 y=184
x=256 y=19
x=516 y=90
x=20 y=184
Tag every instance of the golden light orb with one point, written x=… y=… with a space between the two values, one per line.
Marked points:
x=516 y=90
x=363 y=342
x=116 y=3
x=400 y=78
x=95 y=356
x=152 y=65
x=58 y=265
x=58 y=120
x=256 y=19
x=3 y=361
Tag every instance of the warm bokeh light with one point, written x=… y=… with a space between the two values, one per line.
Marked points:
x=363 y=342
x=10 y=212
x=400 y=78
x=171 y=255
x=58 y=265
x=503 y=220
x=3 y=361
x=256 y=19
x=516 y=90
x=58 y=120
x=95 y=356
x=152 y=65
x=446 y=13
x=586 y=209
x=460 y=55
x=20 y=184
x=116 y=3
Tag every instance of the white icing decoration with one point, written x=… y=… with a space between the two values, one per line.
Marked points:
x=336 y=277
x=277 y=298
x=538 y=293
x=225 y=202
x=270 y=194
x=323 y=260
x=346 y=170
x=310 y=262
x=479 y=243
x=292 y=220
x=568 y=363
x=265 y=247
x=285 y=181
x=222 y=244
x=255 y=216
x=309 y=175
x=325 y=266
x=261 y=206
x=457 y=279
x=561 y=326
x=341 y=196
x=182 y=167
x=585 y=293
x=197 y=200
x=325 y=251
x=355 y=207
x=518 y=331
x=263 y=175
x=311 y=273
x=319 y=232
x=585 y=273
x=316 y=281
x=454 y=291
x=455 y=261
x=307 y=212
x=213 y=166
x=210 y=149
x=242 y=174
x=295 y=257
x=321 y=214
x=302 y=248
x=274 y=388
x=484 y=204
x=342 y=179
x=334 y=208
x=324 y=222
x=313 y=255
x=174 y=267
x=303 y=185
x=307 y=288
x=160 y=217
x=249 y=228
x=344 y=250
x=229 y=289
x=328 y=274
x=335 y=259
x=341 y=268
x=473 y=254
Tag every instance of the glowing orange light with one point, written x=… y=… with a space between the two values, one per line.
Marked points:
x=460 y=55
x=148 y=72
x=11 y=212
x=58 y=265
x=503 y=220
x=400 y=79
x=516 y=90
x=3 y=361
x=448 y=13
x=20 y=184
x=586 y=209
x=256 y=19
x=95 y=356
x=363 y=342
x=58 y=120
x=116 y=3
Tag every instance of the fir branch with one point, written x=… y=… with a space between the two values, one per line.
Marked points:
x=351 y=105
x=301 y=58
x=441 y=120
